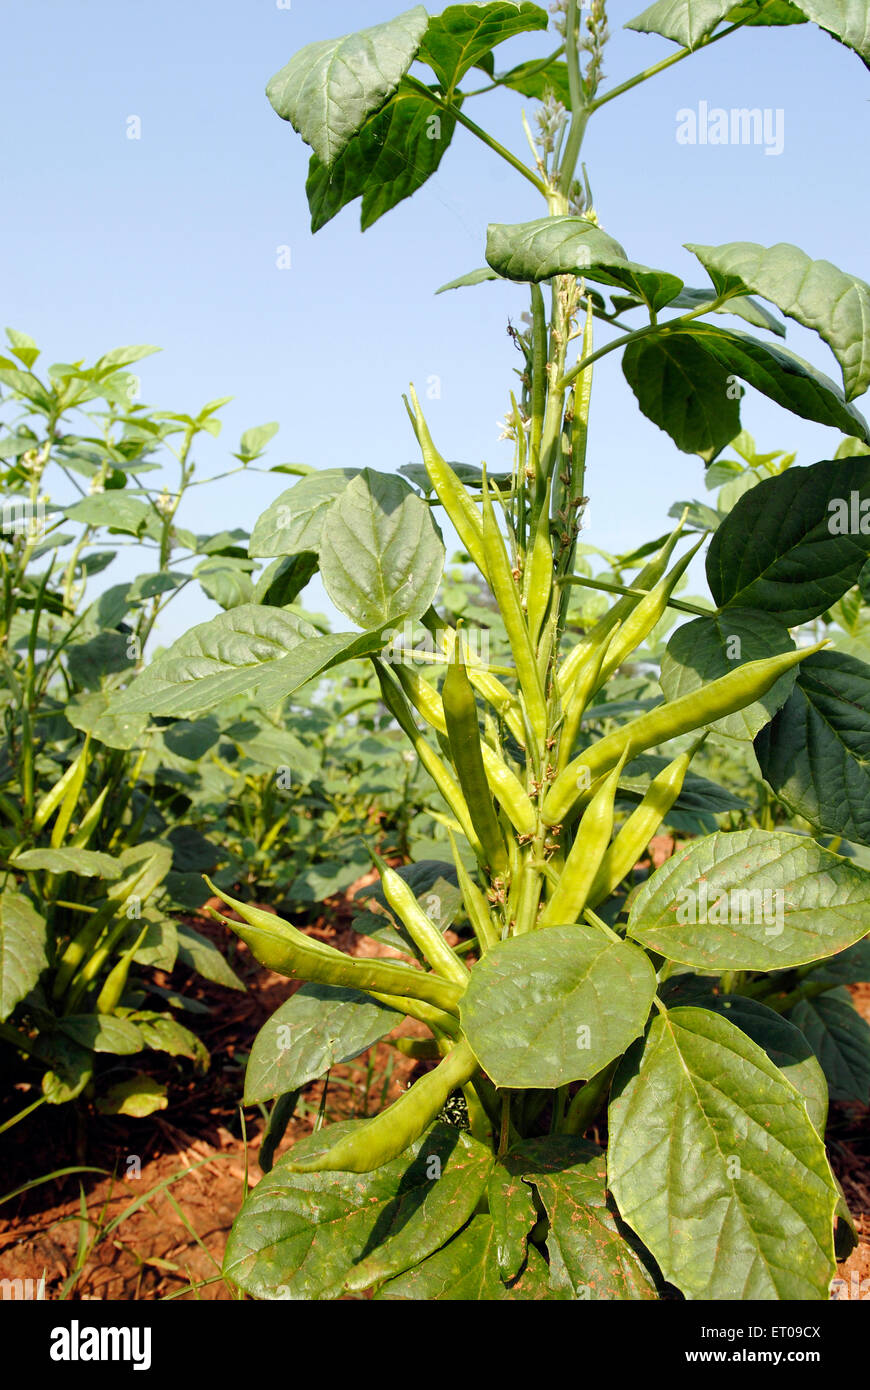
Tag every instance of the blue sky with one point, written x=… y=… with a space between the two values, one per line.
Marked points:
x=172 y=239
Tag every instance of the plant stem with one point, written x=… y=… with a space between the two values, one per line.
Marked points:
x=491 y=143
x=665 y=63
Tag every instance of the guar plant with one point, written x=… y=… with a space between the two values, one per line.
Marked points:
x=660 y=1014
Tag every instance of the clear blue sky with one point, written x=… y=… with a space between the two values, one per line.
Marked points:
x=172 y=239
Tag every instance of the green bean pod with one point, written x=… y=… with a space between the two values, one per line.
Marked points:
x=650 y=610
x=282 y=948
x=463 y=731
x=388 y=1134
x=89 y=822
x=475 y=903
x=428 y=939
x=642 y=824
x=446 y=784
x=507 y=597
x=450 y=492
x=109 y=996
x=741 y=687
x=617 y=613
x=539 y=574
x=585 y=856
x=578 y=697
x=73 y=777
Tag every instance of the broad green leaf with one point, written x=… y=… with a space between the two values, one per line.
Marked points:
x=511 y=1204
x=23 y=945
x=122 y=514
x=684 y=391
x=159 y=949
x=226 y=581
x=192 y=738
x=816 y=753
x=555 y=1005
x=686 y=22
x=781 y=375
x=102 y=1033
x=107 y=654
x=197 y=953
x=87 y=863
x=462 y=35
x=282 y=582
x=796 y=543
x=751 y=900
x=714 y=1162
x=549 y=246
x=265 y=653
x=814 y=293
x=708 y=648
x=849 y=967
x=321 y=1026
x=766 y=12
x=845 y=20
x=840 y=1038
x=193 y=852
x=302 y=1235
x=329 y=89
x=161 y=1033
x=589 y=1257
x=90 y=714
x=534 y=81
x=381 y=556
x=138 y=1097
x=784 y=1044
x=125 y=356
x=294 y=522
x=466 y=1270
x=397 y=150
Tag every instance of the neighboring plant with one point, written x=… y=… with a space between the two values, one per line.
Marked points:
x=665 y=1010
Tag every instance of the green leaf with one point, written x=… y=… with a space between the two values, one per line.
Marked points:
x=727 y=1184
x=462 y=35
x=534 y=251
x=102 y=1033
x=23 y=946
x=683 y=390
x=840 y=1038
x=320 y=1027
x=282 y=582
x=784 y=1044
x=227 y=581
x=254 y=442
x=381 y=556
x=814 y=293
x=329 y=89
x=161 y=1033
x=302 y=1235
x=796 y=543
x=555 y=1005
x=848 y=21
x=848 y=967
x=265 y=653
x=123 y=515
x=87 y=863
x=767 y=12
x=708 y=648
x=89 y=713
x=816 y=753
x=780 y=375
x=511 y=1204
x=686 y=22
x=138 y=1097
x=124 y=356
x=466 y=1270
x=534 y=81
x=589 y=1256
x=104 y=655
x=198 y=954
x=192 y=738
x=394 y=154
x=474 y=277
x=294 y=521
x=751 y=900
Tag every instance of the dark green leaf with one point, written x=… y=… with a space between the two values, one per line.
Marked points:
x=462 y=35
x=840 y=1038
x=23 y=945
x=684 y=391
